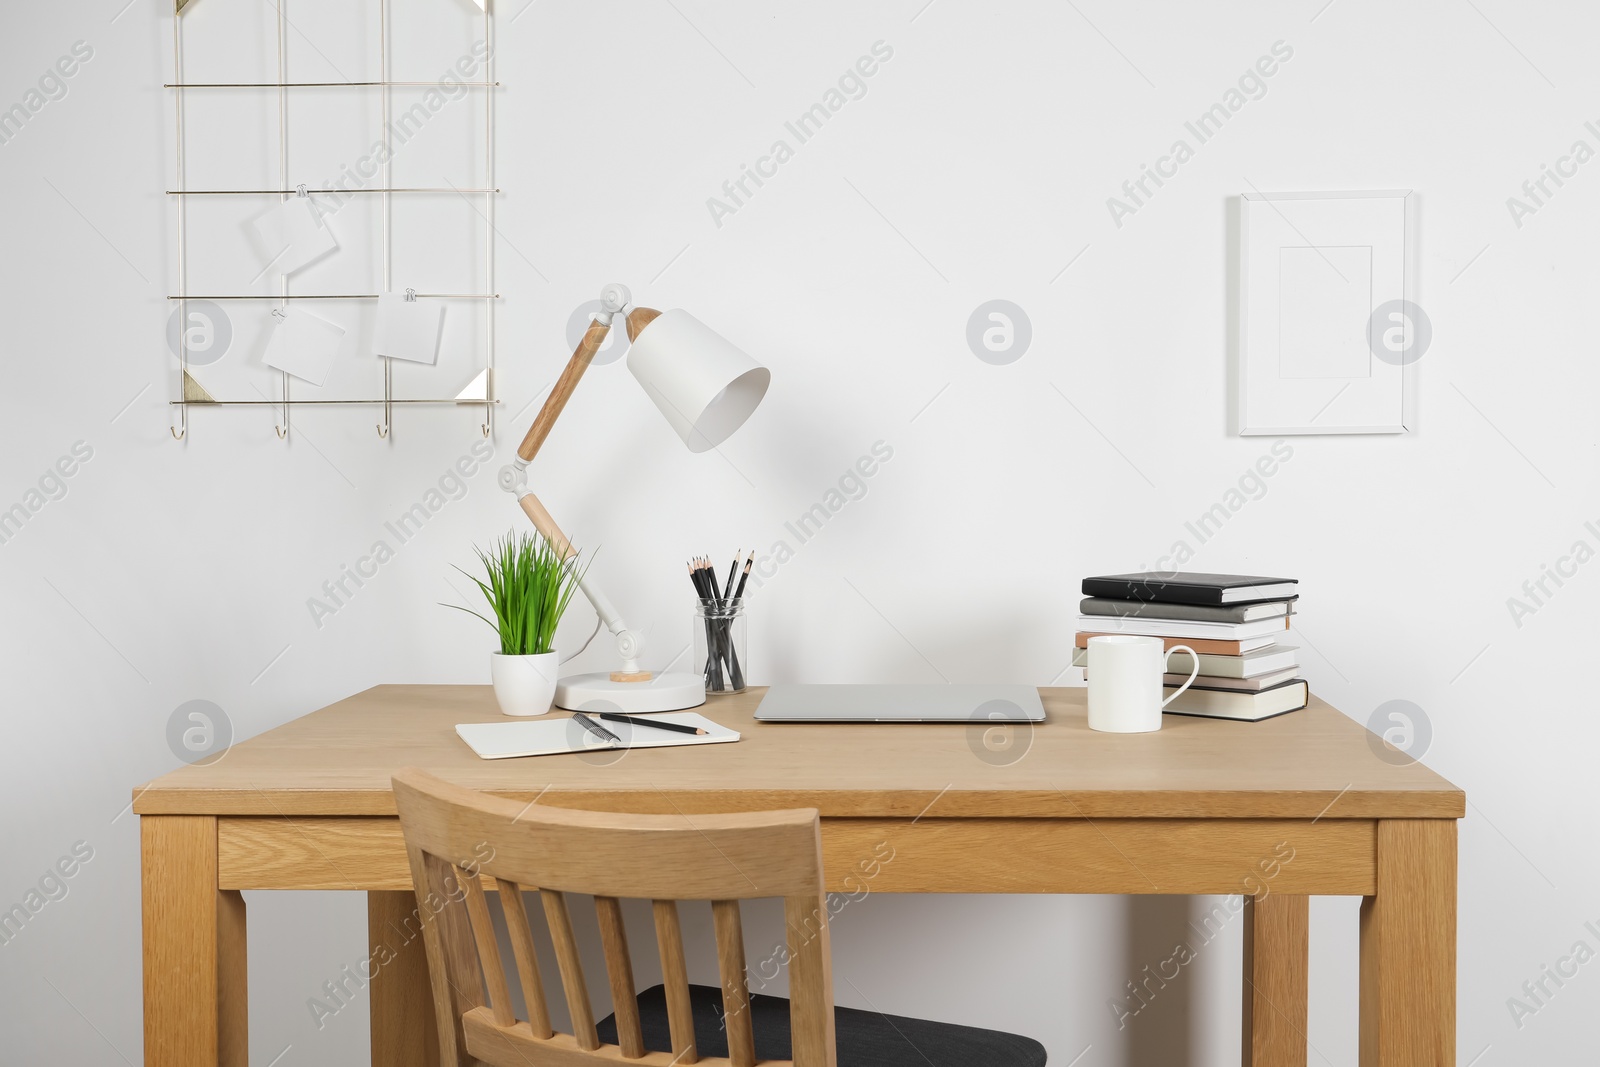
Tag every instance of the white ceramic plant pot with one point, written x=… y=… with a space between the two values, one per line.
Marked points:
x=524 y=685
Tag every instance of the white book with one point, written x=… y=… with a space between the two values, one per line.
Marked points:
x=1243 y=685
x=1216 y=631
x=1249 y=707
x=550 y=737
x=1249 y=665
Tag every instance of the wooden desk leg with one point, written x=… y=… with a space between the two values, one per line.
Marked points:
x=405 y=1032
x=1408 y=948
x=195 y=1004
x=1277 y=945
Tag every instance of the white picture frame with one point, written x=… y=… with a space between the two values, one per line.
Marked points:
x=1314 y=269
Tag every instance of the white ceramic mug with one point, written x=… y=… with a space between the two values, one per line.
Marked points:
x=1125 y=674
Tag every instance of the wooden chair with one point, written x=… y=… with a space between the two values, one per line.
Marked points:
x=456 y=836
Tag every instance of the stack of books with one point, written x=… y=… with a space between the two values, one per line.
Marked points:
x=1234 y=622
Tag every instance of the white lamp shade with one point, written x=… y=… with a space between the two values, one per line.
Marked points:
x=704 y=386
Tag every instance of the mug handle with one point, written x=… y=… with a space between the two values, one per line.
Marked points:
x=1192 y=674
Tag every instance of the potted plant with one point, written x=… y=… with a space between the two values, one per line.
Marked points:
x=528 y=588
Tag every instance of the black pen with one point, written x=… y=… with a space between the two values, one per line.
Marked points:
x=675 y=727
x=596 y=729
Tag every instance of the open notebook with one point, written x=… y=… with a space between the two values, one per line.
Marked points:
x=549 y=737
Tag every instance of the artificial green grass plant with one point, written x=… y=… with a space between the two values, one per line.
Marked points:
x=528 y=590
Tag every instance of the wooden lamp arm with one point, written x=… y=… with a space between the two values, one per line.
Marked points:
x=540 y=517
x=628 y=643
x=582 y=356
x=514 y=477
x=614 y=299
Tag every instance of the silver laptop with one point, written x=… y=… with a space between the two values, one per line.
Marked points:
x=901 y=703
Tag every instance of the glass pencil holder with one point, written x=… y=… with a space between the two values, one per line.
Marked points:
x=720 y=644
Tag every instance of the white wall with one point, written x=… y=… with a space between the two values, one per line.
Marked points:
x=976 y=166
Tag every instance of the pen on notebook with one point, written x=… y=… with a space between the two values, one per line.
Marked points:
x=675 y=727
x=596 y=729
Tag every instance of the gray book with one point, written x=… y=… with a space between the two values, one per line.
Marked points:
x=1140 y=609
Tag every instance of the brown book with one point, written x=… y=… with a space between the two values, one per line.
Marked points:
x=1216 y=648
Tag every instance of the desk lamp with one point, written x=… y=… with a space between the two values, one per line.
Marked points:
x=705 y=388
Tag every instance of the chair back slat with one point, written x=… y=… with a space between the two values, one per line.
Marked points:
x=452 y=959
x=488 y=948
x=454 y=836
x=570 y=963
x=675 y=981
x=619 y=972
x=527 y=958
x=735 y=991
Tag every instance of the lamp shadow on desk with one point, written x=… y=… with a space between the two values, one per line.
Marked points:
x=1154 y=1008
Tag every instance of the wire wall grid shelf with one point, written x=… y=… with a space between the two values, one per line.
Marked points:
x=480 y=392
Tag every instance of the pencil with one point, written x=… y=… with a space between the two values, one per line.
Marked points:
x=732 y=572
x=702 y=583
x=675 y=727
x=745 y=577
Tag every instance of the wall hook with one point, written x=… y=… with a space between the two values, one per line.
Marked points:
x=282 y=428
x=181 y=431
x=388 y=392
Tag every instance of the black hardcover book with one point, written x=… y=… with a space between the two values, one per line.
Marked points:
x=1190 y=587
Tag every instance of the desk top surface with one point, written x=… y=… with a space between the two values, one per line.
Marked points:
x=1308 y=764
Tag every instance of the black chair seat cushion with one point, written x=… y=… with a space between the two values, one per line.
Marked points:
x=864 y=1038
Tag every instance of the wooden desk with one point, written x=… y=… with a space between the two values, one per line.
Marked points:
x=1275 y=811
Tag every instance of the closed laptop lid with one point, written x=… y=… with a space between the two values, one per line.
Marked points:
x=965 y=702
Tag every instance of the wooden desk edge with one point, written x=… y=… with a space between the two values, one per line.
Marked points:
x=1251 y=857
x=857 y=803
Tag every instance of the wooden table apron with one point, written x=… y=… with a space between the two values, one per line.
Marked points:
x=207 y=836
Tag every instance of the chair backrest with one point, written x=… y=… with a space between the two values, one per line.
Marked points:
x=456 y=836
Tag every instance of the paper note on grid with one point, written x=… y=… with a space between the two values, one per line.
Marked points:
x=294 y=236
